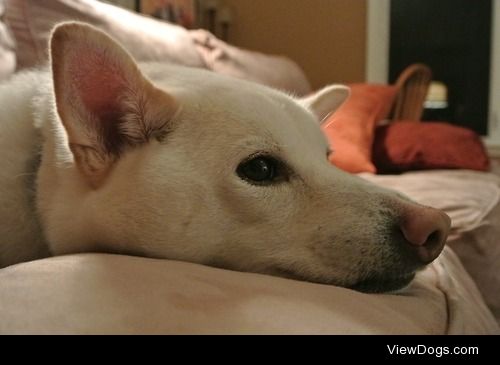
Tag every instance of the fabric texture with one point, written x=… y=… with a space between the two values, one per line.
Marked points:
x=408 y=145
x=147 y=39
x=103 y=294
x=472 y=200
x=276 y=71
x=350 y=130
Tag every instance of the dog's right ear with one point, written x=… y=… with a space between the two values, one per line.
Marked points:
x=104 y=102
x=324 y=102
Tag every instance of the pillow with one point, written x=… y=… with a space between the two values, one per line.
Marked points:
x=275 y=71
x=115 y=294
x=147 y=39
x=350 y=130
x=409 y=145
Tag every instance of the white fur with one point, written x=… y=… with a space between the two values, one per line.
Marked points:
x=179 y=196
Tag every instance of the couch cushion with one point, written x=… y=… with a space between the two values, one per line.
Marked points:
x=97 y=294
x=472 y=200
x=147 y=39
x=278 y=72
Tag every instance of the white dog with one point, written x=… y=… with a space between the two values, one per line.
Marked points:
x=101 y=154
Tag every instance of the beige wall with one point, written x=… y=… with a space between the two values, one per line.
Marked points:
x=327 y=38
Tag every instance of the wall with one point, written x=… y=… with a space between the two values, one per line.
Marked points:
x=129 y=4
x=377 y=38
x=327 y=38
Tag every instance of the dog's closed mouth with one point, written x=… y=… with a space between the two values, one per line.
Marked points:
x=373 y=284
x=385 y=284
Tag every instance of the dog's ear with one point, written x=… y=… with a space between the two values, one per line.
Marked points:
x=104 y=102
x=326 y=101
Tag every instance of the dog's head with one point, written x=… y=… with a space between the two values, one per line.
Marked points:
x=184 y=164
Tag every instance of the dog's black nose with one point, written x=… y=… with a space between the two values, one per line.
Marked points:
x=425 y=230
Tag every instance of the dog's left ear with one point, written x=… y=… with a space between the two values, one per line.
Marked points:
x=326 y=101
x=104 y=102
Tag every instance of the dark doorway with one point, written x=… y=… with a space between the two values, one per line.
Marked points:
x=453 y=37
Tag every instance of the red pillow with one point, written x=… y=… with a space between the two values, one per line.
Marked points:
x=408 y=145
x=350 y=130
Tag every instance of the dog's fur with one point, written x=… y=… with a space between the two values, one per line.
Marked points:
x=103 y=155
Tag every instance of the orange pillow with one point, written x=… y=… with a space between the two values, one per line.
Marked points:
x=407 y=145
x=350 y=130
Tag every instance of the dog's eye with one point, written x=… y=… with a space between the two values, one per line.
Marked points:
x=260 y=170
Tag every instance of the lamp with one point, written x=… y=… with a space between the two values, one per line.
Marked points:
x=437 y=96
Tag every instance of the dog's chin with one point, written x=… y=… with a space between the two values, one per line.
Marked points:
x=373 y=284
x=383 y=284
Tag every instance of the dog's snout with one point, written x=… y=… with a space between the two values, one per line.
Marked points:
x=425 y=229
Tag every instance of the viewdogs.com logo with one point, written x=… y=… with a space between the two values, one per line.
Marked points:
x=437 y=351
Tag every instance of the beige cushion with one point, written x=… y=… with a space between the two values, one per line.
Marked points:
x=275 y=71
x=145 y=38
x=95 y=293
x=472 y=200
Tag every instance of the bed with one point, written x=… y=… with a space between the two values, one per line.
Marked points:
x=96 y=293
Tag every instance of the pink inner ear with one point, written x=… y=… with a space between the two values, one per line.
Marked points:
x=98 y=81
